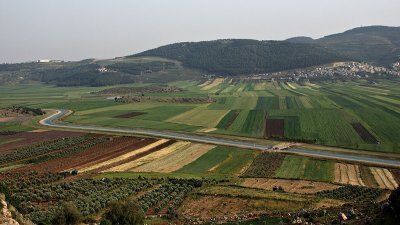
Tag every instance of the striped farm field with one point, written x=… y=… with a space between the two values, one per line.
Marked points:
x=149 y=158
x=124 y=156
x=298 y=167
x=348 y=174
x=228 y=119
x=267 y=103
x=200 y=116
x=213 y=84
x=221 y=160
x=384 y=178
x=175 y=160
x=244 y=103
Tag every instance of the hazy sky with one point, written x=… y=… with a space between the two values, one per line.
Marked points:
x=78 y=29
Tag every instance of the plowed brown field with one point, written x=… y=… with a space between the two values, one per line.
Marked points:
x=99 y=152
x=123 y=157
x=30 y=138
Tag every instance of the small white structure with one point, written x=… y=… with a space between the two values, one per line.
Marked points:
x=44 y=60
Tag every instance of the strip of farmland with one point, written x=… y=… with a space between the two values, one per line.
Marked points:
x=384 y=178
x=98 y=153
x=176 y=160
x=364 y=133
x=124 y=156
x=295 y=186
x=149 y=158
x=348 y=174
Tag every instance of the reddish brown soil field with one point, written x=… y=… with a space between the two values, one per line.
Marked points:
x=274 y=127
x=99 y=153
x=129 y=115
x=29 y=138
x=364 y=133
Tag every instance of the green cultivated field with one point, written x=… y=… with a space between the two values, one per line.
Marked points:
x=298 y=167
x=221 y=160
x=320 y=113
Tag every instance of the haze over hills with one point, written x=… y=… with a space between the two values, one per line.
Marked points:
x=374 y=44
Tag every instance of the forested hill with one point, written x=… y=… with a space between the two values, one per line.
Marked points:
x=373 y=44
x=238 y=56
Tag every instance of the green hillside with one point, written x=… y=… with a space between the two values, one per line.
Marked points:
x=373 y=44
x=237 y=56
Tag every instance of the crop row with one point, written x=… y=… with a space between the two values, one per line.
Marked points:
x=68 y=150
x=264 y=165
x=168 y=196
x=40 y=202
x=42 y=148
x=354 y=193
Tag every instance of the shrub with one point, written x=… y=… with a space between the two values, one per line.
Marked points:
x=124 y=213
x=67 y=215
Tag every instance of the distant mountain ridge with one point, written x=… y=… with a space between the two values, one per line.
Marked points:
x=374 y=44
x=378 y=45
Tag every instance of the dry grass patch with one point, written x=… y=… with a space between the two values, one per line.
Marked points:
x=384 y=178
x=214 y=83
x=294 y=186
x=348 y=174
x=149 y=158
x=175 y=160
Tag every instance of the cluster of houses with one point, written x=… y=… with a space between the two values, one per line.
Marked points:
x=352 y=70
x=396 y=66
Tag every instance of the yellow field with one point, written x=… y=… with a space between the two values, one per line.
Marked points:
x=200 y=116
x=149 y=158
x=384 y=178
x=175 y=160
x=214 y=83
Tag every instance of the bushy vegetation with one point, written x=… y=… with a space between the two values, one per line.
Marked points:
x=264 y=165
x=141 y=68
x=30 y=191
x=124 y=213
x=353 y=193
x=168 y=196
x=25 y=110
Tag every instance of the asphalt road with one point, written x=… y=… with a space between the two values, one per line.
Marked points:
x=49 y=121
